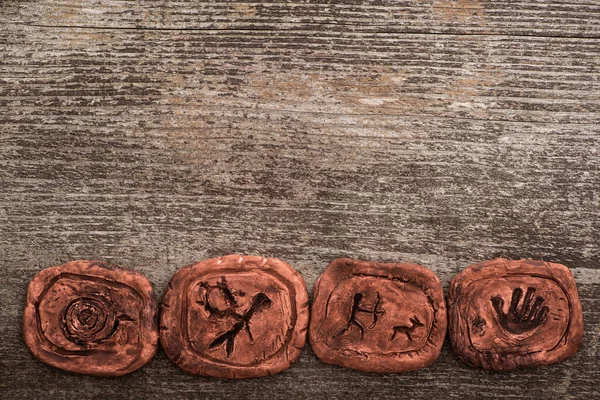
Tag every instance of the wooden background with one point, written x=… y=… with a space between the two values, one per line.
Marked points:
x=441 y=132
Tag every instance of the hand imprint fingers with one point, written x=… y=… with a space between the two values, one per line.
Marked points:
x=498 y=304
x=514 y=302
x=541 y=315
x=527 y=302
x=535 y=308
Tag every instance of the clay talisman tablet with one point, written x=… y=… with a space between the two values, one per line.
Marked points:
x=376 y=317
x=235 y=317
x=506 y=314
x=91 y=318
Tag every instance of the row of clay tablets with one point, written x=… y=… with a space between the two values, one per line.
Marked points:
x=246 y=316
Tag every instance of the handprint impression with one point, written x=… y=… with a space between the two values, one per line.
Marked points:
x=520 y=319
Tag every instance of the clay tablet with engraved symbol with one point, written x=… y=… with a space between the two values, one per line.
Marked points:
x=91 y=318
x=376 y=317
x=505 y=314
x=235 y=317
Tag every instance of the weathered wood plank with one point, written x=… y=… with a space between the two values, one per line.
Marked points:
x=538 y=18
x=441 y=133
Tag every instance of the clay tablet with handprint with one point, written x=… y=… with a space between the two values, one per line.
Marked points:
x=505 y=314
x=378 y=317
x=235 y=317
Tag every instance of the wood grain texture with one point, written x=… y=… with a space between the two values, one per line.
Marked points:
x=155 y=134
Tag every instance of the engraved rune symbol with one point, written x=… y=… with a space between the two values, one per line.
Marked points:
x=520 y=319
x=224 y=293
x=407 y=330
x=258 y=303
x=357 y=308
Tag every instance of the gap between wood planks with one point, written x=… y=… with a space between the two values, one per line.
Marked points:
x=260 y=29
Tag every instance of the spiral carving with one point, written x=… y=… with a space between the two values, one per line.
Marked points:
x=87 y=320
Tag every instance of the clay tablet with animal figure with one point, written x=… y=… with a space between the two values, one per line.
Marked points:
x=505 y=314
x=235 y=317
x=378 y=317
x=92 y=318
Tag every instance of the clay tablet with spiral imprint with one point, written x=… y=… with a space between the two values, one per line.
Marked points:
x=91 y=318
x=235 y=317
x=506 y=314
x=376 y=317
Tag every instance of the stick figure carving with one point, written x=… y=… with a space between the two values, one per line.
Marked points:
x=357 y=308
